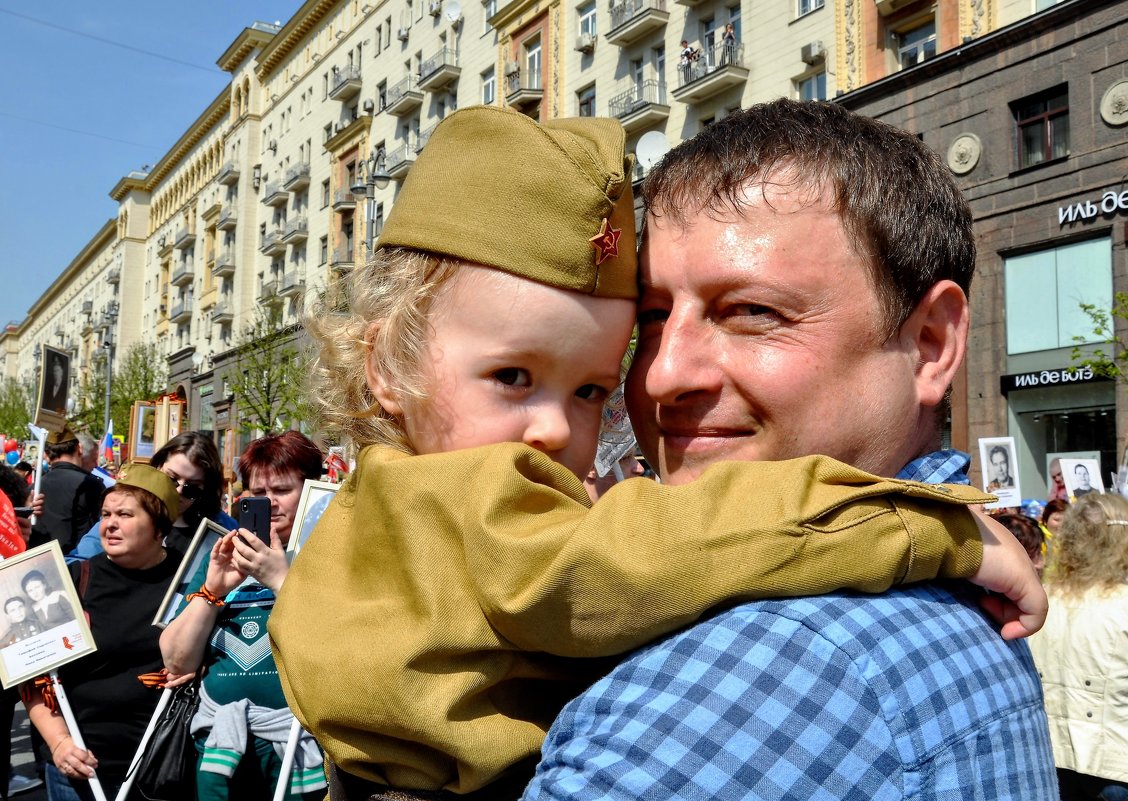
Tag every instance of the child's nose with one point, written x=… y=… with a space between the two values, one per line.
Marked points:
x=548 y=430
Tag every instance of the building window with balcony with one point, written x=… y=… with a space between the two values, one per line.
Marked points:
x=916 y=45
x=586 y=14
x=807 y=6
x=533 y=64
x=489 y=9
x=586 y=101
x=813 y=87
x=489 y=87
x=1042 y=126
x=734 y=20
x=1045 y=290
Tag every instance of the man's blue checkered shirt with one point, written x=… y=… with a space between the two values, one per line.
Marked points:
x=911 y=694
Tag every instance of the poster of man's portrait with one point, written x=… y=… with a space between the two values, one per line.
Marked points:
x=43 y=625
x=1000 y=471
x=142 y=431
x=1082 y=476
x=54 y=380
x=315 y=499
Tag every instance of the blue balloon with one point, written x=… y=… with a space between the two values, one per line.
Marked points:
x=12 y=456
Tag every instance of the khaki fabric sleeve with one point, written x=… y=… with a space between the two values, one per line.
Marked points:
x=648 y=558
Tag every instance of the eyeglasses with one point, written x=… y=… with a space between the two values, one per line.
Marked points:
x=189 y=490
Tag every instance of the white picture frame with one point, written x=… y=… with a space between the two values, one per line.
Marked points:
x=29 y=646
x=313 y=503
x=1081 y=476
x=999 y=465
x=197 y=556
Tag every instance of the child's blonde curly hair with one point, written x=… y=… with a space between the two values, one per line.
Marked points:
x=382 y=315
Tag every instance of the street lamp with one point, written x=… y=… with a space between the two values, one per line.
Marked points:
x=371 y=174
x=109 y=317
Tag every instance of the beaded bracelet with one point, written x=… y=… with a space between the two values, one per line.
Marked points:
x=207 y=595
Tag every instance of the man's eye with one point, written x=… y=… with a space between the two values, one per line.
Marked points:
x=592 y=392
x=514 y=377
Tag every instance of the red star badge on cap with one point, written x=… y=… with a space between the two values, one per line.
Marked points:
x=606 y=242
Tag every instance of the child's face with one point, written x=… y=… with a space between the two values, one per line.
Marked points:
x=512 y=360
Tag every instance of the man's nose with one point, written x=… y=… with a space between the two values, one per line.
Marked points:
x=684 y=363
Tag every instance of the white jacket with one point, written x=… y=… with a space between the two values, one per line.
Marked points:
x=1082 y=657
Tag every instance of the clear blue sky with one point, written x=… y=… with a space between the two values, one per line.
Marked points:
x=89 y=92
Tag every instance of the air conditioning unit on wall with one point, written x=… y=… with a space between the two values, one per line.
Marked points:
x=812 y=52
x=402 y=34
x=512 y=67
x=435 y=8
x=585 y=43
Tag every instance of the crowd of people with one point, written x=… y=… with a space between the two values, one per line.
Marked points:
x=789 y=613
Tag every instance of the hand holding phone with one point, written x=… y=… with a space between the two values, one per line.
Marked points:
x=253 y=514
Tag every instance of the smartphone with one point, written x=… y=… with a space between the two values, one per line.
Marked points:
x=254 y=516
x=23 y=511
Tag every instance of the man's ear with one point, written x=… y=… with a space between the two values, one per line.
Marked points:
x=379 y=384
x=937 y=329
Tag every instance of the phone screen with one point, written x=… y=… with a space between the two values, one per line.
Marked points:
x=254 y=515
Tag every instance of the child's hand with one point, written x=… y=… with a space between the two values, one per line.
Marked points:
x=1021 y=604
x=268 y=565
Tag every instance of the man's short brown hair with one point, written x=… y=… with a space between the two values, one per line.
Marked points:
x=897 y=200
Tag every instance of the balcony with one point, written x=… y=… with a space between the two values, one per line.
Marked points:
x=268 y=292
x=224 y=265
x=403 y=98
x=342 y=260
x=715 y=71
x=228 y=174
x=297 y=231
x=292 y=285
x=272 y=244
x=297 y=178
x=344 y=200
x=164 y=245
x=185 y=238
x=440 y=70
x=184 y=274
x=424 y=137
x=222 y=314
x=113 y=275
x=346 y=83
x=641 y=106
x=181 y=312
x=227 y=219
x=633 y=20
x=523 y=94
x=275 y=195
x=400 y=160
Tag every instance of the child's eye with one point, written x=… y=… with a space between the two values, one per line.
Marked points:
x=592 y=392
x=514 y=377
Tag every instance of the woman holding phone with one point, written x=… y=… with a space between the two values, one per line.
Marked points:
x=221 y=629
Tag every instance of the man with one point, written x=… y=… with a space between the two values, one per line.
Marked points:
x=1081 y=481
x=1000 y=469
x=19 y=628
x=55 y=388
x=804 y=291
x=72 y=497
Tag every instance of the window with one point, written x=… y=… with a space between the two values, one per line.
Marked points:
x=659 y=58
x=807 y=6
x=734 y=20
x=381 y=95
x=379 y=39
x=489 y=86
x=324 y=249
x=325 y=193
x=489 y=10
x=586 y=98
x=379 y=222
x=916 y=45
x=586 y=14
x=1042 y=123
x=813 y=87
x=1045 y=290
x=533 y=64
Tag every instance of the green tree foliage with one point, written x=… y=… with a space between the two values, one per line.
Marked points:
x=141 y=374
x=267 y=374
x=15 y=408
x=1111 y=363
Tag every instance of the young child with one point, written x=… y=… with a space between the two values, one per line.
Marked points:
x=454 y=597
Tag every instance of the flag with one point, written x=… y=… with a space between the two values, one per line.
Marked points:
x=108 y=444
x=11 y=540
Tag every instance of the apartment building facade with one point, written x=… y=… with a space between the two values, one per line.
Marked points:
x=261 y=204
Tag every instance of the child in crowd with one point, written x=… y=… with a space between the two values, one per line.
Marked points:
x=454 y=597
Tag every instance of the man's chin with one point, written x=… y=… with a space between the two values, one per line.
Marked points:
x=683 y=459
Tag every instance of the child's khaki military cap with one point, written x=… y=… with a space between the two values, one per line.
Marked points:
x=549 y=202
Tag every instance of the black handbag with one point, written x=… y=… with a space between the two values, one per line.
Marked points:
x=167 y=769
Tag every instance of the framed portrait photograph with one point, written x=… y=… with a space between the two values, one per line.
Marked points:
x=1081 y=477
x=315 y=499
x=192 y=571
x=1000 y=471
x=142 y=431
x=43 y=623
x=54 y=381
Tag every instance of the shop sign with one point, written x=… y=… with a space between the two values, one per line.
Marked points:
x=1048 y=378
x=1109 y=204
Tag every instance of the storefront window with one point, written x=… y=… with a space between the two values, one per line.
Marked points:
x=1045 y=291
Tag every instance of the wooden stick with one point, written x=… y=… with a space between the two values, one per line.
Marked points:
x=76 y=735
